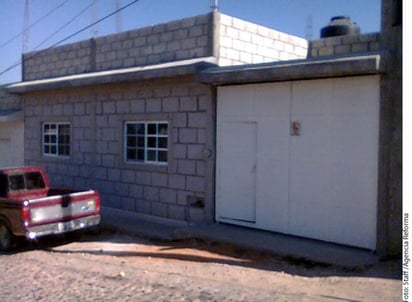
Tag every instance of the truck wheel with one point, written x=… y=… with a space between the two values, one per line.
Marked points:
x=5 y=237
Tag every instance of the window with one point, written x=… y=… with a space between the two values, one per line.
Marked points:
x=17 y=182
x=56 y=139
x=146 y=142
x=28 y=181
x=34 y=181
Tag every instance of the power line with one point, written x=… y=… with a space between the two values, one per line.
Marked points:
x=69 y=37
x=33 y=24
x=65 y=25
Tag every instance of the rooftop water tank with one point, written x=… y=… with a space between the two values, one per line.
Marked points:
x=339 y=26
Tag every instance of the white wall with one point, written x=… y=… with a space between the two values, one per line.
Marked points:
x=320 y=184
x=11 y=144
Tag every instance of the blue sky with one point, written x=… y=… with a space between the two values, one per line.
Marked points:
x=290 y=16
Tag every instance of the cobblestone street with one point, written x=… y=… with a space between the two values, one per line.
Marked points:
x=117 y=267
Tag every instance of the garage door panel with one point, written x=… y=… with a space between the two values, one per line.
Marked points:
x=313 y=142
x=238 y=97
x=273 y=140
x=309 y=188
x=355 y=138
x=312 y=97
x=356 y=96
x=272 y=208
x=353 y=229
x=355 y=185
x=321 y=183
x=271 y=102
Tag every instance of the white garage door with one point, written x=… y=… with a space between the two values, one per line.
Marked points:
x=11 y=144
x=321 y=183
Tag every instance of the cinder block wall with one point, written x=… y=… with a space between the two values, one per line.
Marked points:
x=242 y=42
x=231 y=40
x=176 y=40
x=342 y=45
x=182 y=190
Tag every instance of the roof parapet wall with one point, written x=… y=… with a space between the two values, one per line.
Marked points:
x=344 y=45
x=172 y=41
x=231 y=40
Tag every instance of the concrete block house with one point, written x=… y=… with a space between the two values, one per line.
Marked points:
x=126 y=115
x=212 y=118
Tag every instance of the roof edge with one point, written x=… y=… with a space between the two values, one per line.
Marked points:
x=139 y=73
x=361 y=64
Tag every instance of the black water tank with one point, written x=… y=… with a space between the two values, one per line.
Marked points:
x=340 y=26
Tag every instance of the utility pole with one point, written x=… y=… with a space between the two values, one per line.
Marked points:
x=215 y=6
x=309 y=28
x=26 y=22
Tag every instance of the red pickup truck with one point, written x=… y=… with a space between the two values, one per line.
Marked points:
x=30 y=208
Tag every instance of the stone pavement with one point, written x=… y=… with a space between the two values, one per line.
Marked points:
x=278 y=244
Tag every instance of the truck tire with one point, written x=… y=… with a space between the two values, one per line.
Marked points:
x=6 y=237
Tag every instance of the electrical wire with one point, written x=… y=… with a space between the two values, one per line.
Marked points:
x=33 y=24
x=65 y=25
x=68 y=37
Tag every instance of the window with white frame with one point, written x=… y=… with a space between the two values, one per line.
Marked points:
x=56 y=139
x=146 y=142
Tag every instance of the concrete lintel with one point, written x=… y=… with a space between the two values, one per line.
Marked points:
x=292 y=70
x=141 y=73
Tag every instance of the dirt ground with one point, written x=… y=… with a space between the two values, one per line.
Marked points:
x=113 y=266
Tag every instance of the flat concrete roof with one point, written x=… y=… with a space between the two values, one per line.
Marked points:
x=323 y=67
x=139 y=73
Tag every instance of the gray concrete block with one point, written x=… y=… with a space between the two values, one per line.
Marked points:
x=187 y=135
x=179 y=151
x=154 y=105
x=138 y=106
x=143 y=178
x=168 y=196
x=187 y=167
x=171 y=104
x=195 y=184
x=197 y=119
x=177 y=181
x=179 y=120
x=326 y=51
x=176 y=212
x=151 y=193
x=188 y=104
x=194 y=151
x=128 y=176
x=122 y=106
x=136 y=191
x=359 y=47
x=159 y=180
x=159 y=209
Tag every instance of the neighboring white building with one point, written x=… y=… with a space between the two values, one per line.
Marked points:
x=11 y=130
